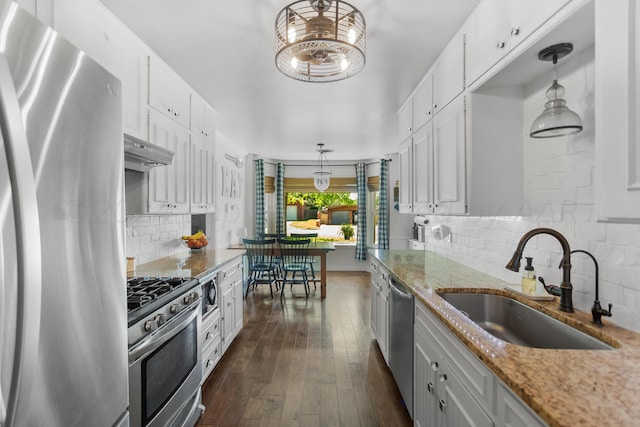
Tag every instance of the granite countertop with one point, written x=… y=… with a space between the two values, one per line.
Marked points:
x=188 y=264
x=564 y=387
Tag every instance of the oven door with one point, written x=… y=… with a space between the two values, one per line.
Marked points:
x=165 y=370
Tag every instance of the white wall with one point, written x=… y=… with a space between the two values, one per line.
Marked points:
x=559 y=194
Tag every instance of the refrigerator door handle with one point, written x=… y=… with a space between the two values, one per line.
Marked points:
x=29 y=262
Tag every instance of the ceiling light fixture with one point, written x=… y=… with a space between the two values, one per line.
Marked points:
x=320 y=40
x=556 y=119
x=323 y=171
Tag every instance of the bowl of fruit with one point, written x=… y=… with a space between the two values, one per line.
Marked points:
x=195 y=242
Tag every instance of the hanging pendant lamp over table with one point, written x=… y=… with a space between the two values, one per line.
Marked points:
x=320 y=40
x=322 y=175
x=556 y=119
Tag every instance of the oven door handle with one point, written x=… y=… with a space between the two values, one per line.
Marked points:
x=169 y=330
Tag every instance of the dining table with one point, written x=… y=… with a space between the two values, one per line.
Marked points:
x=316 y=249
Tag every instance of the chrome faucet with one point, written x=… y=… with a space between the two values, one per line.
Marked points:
x=596 y=311
x=566 y=299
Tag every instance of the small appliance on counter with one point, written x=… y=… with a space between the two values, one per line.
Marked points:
x=420 y=228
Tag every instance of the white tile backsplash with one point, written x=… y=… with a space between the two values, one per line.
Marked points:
x=150 y=237
x=559 y=194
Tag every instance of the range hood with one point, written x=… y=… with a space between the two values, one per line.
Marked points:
x=141 y=155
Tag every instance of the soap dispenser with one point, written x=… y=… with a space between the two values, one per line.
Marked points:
x=529 y=278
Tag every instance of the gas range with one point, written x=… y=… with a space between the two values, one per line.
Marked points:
x=153 y=301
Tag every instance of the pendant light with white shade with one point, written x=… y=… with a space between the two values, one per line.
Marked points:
x=556 y=119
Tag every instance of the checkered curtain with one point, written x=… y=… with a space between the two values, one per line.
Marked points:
x=280 y=225
x=259 y=197
x=383 y=206
x=361 y=183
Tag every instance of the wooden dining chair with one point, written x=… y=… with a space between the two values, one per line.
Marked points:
x=262 y=269
x=311 y=260
x=294 y=253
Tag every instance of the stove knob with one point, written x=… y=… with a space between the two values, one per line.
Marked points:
x=174 y=308
x=148 y=325
x=195 y=296
x=160 y=319
x=187 y=299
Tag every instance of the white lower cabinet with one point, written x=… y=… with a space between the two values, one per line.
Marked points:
x=211 y=343
x=380 y=307
x=452 y=387
x=231 y=302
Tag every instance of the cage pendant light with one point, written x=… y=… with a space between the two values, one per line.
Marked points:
x=556 y=119
x=320 y=40
x=322 y=174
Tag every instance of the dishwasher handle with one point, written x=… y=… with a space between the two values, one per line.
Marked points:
x=398 y=291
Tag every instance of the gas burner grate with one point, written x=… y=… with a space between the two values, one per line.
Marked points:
x=144 y=290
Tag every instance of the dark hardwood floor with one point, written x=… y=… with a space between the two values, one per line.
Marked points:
x=305 y=362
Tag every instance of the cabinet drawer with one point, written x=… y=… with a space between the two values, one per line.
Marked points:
x=231 y=271
x=476 y=377
x=210 y=328
x=210 y=358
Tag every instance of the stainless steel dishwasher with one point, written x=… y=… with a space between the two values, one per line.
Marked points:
x=401 y=340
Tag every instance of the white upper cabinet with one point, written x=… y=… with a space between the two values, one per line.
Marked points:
x=202 y=175
x=405 y=121
x=41 y=9
x=168 y=93
x=497 y=26
x=169 y=185
x=617 y=74
x=423 y=170
x=448 y=73
x=527 y=16
x=203 y=118
x=487 y=35
x=422 y=102
x=406 y=176
x=449 y=159
x=92 y=28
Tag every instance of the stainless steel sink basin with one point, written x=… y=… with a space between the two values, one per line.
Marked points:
x=517 y=323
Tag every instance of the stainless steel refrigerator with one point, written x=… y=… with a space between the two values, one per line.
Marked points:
x=63 y=343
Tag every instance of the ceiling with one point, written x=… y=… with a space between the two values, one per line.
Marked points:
x=225 y=51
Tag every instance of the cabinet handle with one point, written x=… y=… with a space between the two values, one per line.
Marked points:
x=500 y=45
x=430 y=387
x=170 y=110
x=515 y=31
x=207 y=336
x=429 y=113
x=442 y=405
x=177 y=114
x=215 y=351
x=209 y=362
x=215 y=326
x=443 y=377
x=435 y=106
x=434 y=366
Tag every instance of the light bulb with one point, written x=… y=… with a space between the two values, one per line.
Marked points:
x=291 y=34
x=294 y=63
x=351 y=35
x=344 y=64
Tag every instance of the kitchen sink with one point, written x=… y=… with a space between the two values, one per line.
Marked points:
x=517 y=323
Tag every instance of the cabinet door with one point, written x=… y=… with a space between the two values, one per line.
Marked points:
x=526 y=16
x=169 y=185
x=203 y=118
x=422 y=102
x=238 y=315
x=227 y=317
x=486 y=37
x=91 y=27
x=456 y=405
x=202 y=175
x=449 y=159
x=405 y=117
x=513 y=412
x=425 y=406
x=375 y=294
x=41 y=9
x=448 y=73
x=168 y=93
x=383 y=325
x=423 y=170
x=617 y=116
x=405 y=158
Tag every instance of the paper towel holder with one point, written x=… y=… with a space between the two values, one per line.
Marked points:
x=441 y=232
